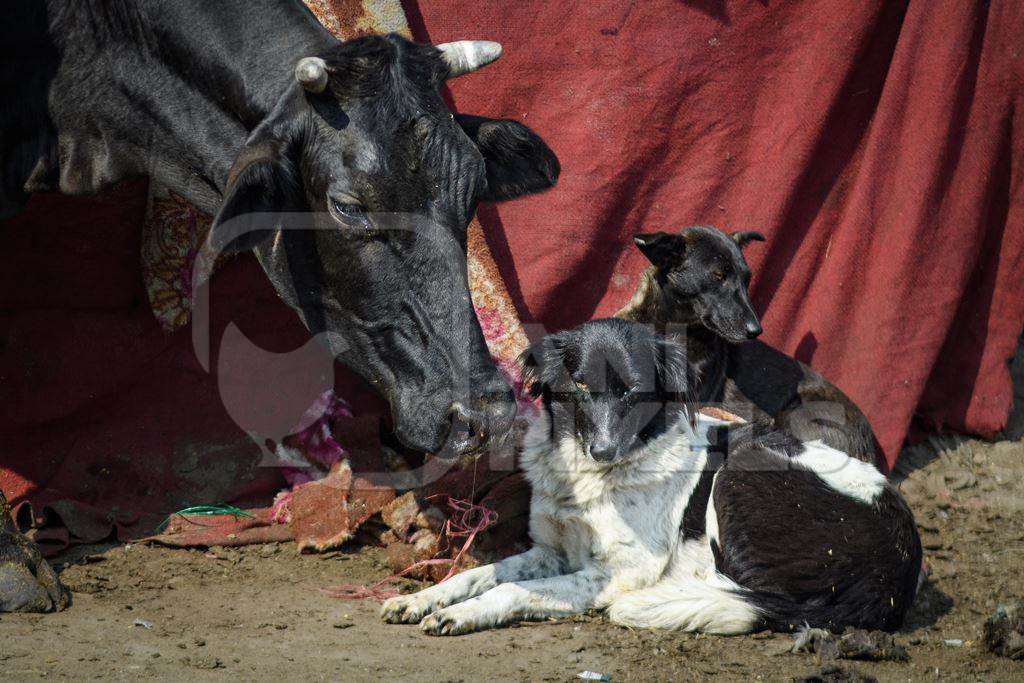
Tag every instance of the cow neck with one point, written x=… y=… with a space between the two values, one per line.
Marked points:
x=182 y=89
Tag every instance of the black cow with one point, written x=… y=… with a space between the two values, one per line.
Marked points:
x=252 y=109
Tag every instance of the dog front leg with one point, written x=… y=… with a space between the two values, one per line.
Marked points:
x=558 y=596
x=536 y=563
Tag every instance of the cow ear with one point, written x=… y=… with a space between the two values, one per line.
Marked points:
x=662 y=249
x=742 y=238
x=262 y=184
x=518 y=162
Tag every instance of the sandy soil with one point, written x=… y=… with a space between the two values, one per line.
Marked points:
x=257 y=613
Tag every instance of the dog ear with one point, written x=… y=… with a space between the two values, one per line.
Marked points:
x=742 y=238
x=661 y=248
x=675 y=372
x=517 y=160
x=541 y=364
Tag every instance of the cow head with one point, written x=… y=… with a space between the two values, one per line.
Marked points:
x=363 y=153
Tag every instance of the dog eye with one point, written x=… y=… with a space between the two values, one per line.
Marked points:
x=582 y=386
x=348 y=213
x=718 y=275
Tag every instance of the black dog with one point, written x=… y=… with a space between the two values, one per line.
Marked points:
x=631 y=512
x=699 y=280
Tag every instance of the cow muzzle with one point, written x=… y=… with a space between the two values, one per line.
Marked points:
x=475 y=428
x=454 y=424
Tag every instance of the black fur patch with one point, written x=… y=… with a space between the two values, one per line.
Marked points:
x=808 y=554
x=750 y=436
x=694 y=517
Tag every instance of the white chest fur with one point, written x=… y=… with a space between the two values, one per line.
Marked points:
x=625 y=517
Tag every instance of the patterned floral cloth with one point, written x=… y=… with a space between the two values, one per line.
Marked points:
x=172 y=234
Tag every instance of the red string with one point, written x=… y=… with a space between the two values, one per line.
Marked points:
x=466 y=520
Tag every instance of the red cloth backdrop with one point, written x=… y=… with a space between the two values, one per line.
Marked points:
x=104 y=418
x=878 y=145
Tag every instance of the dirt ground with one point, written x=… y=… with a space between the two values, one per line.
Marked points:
x=257 y=612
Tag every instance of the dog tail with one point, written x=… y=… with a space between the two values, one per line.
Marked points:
x=687 y=604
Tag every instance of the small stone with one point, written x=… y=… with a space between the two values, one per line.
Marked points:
x=960 y=479
x=203 y=662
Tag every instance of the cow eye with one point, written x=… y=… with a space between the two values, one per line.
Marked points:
x=349 y=213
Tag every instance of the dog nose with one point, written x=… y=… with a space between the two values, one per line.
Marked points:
x=753 y=329
x=603 y=450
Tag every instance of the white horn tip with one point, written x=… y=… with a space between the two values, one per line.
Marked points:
x=464 y=56
x=488 y=50
x=311 y=72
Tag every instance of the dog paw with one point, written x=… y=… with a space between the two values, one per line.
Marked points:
x=450 y=621
x=27 y=581
x=405 y=609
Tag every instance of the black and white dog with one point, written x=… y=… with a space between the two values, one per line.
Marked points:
x=633 y=512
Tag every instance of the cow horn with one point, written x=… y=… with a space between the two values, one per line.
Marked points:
x=311 y=72
x=464 y=56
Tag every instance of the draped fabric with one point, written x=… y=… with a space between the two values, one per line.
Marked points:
x=878 y=145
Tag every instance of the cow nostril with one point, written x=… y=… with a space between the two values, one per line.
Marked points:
x=467 y=431
x=464 y=431
x=470 y=419
x=471 y=430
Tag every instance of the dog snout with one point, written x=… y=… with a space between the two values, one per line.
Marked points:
x=603 y=450
x=752 y=329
